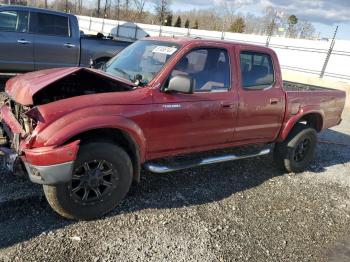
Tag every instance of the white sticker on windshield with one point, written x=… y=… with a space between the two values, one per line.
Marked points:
x=164 y=50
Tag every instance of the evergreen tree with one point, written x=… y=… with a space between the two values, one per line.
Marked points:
x=178 y=22
x=169 y=20
x=196 y=25
x=238 y=25
x=187 y=23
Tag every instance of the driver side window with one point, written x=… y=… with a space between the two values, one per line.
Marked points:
x=209 y=68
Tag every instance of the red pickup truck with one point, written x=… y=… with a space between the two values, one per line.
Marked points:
x=85 y=134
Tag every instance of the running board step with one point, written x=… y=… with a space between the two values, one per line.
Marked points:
x=161 y=169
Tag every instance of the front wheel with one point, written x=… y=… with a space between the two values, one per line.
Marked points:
x=101 y=178
x=295 y=153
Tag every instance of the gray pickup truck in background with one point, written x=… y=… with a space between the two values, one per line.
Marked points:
x=33 y=39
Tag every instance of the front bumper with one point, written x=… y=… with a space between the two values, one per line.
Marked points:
x=46 y=166
x=50 y=175
x=50 y=165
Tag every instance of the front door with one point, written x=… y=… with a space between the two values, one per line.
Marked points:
x=182 y=122
x=16 y=44
x=54 y=44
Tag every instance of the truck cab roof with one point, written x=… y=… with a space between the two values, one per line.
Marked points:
x=187 y=40
x=33 y=9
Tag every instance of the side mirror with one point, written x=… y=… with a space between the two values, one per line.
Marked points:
x=181 y=84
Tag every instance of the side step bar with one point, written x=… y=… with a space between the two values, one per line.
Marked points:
x=161 y=169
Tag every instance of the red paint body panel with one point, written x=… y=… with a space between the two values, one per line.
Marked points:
x=257 y=117
x=52 y=155
x=21 y=88
x=164 y=124
x=328 y=104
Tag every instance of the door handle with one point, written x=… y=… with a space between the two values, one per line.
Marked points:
x=227 y=105
x=69 y=45
x=23 y=41
x=274 y=101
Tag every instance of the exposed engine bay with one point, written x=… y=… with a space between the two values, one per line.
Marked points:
x=20 y=113
x=82 y=82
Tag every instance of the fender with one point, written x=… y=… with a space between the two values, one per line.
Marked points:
x=60 y=131
x=289 y=124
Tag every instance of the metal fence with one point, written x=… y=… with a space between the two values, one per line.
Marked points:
x=322 y=58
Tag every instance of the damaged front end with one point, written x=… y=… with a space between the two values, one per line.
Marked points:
x=15 y=126
x=44 y=165
x=25 y=151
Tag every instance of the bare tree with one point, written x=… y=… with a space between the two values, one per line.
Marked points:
x=203 y=16
x=162 y=8
x=106 y=8
x=306 y=29
x=228 y=10
x=98 y=7
x=139 y=8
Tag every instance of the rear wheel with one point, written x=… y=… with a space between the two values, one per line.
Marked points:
x=99 y=63
x=295 y=153
x=101 y=178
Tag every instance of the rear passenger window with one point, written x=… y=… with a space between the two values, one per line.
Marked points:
x=209 y=68
x=49 y=24
x=14 y=21
x=256 y=70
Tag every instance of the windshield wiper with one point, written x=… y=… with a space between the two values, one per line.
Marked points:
x=123 y=72
x=103 y=67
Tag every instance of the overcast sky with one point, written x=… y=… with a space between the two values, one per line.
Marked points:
x=324 y=14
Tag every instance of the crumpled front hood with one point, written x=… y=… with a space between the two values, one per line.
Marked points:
x=22 y=88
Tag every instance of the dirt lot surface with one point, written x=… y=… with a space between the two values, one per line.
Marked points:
x=238 y=211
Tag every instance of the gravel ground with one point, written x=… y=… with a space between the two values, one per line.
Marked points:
x=244 y=210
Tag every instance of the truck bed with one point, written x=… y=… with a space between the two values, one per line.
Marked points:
x=329 y=102
x=293 y=86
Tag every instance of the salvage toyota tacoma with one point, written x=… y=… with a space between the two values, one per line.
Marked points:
x=85 y=134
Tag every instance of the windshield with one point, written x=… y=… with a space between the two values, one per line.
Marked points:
x=141 y=61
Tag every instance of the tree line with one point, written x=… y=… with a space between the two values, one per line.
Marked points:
x=225 y=17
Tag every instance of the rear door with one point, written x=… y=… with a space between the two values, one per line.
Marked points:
x=206 y=118
x=54 y=44
x=262 y=99
x=16 y=44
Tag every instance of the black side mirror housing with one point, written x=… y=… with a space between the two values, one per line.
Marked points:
x=181 y=84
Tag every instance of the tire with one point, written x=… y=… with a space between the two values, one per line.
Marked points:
x=99 y=63
x=295 y=153
x=104 y=171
